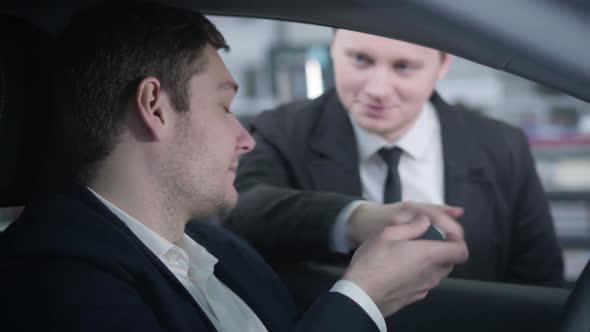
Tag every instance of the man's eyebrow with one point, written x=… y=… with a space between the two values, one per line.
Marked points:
x=229 y=85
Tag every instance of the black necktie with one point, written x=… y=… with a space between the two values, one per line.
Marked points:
x=393 y=187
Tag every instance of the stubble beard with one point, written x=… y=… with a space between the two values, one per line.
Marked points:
x=190 y=186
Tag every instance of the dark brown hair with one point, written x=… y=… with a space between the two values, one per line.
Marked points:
x=105 y=52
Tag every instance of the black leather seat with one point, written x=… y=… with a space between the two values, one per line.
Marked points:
x=26 y=106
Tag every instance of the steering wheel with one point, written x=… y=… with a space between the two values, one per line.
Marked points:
x=577 y=308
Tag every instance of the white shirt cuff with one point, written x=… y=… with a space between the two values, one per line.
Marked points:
x=339 y=241
x=355 y=293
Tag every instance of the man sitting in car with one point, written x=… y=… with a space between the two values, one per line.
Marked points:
x=144 y=107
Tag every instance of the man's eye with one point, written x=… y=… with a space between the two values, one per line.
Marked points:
x=404 y=67
x=227 y=110
x=361 y=59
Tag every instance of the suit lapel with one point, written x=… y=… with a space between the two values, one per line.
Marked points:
x=85 y=196
x=237 y=281
x=464 y=170
x=231 y=271
x=333 y=161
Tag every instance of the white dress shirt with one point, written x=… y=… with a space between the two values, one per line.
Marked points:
x=421 y=169
x=193 y=266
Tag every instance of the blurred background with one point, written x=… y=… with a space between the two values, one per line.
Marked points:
x=276 y=62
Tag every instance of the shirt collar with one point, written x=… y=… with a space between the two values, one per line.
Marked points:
x=414 y=142
x=182 y=259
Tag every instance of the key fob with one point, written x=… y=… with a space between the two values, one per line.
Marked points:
x=432 y=233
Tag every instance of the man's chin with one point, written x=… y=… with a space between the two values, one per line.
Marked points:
x=217 y=208
x=374 y=128
x=228 y=203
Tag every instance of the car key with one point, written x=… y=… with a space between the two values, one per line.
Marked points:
x=432 y=233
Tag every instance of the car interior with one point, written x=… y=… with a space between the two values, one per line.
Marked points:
x=548 y=51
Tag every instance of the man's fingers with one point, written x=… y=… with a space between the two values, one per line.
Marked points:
x=448 y=253
x=453 y=211
x=452 y=237
x=403 y=217
x=407 y=231
x=438 y=216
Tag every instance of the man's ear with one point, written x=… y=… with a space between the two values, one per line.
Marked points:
x=332 y=44
x=445 y=59
x=149 y=103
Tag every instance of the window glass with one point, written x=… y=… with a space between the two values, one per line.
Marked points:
x=291 y=61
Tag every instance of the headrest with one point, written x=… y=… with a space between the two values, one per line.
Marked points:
x=26 y=106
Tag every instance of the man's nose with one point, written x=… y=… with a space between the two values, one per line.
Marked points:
x=379 y=83
x=245 y=141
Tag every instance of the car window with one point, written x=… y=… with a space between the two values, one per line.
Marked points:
x=291 y=61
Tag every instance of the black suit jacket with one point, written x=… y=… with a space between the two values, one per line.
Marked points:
x=304 y=170
x=69 y=264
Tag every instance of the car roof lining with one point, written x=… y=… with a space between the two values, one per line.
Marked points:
x=551 y=52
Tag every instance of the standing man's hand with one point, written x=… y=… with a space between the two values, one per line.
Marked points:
x=396 y=270
x=371 y=218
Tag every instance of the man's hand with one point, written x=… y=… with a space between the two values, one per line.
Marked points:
x=396 y=270
x=370 y=218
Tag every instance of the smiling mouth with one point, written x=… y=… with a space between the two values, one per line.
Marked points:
x=377 y=106
x=375 y=110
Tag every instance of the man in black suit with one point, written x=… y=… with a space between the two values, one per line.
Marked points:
x=144 y=102
x=305 y=188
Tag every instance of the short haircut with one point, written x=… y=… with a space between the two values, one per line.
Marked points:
x=443 y=54
x=105 y=52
